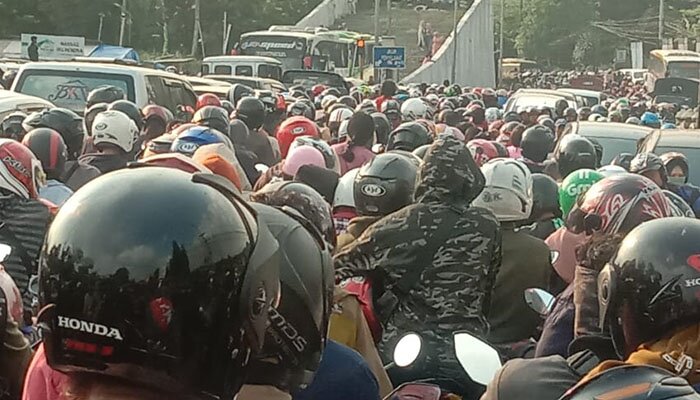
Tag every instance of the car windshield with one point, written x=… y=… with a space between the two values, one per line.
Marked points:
x=522 y=102
x=693 y=156
x=687 y=69
x=69 y=89
x=613 y=146
x=309 y=79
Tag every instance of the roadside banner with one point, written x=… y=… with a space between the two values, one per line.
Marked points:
x=54 y=47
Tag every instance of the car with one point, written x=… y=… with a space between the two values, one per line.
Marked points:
x=253 y=66
x=637 y=75
x=585 y=98
x=255 y=83
x=11 y=102
x=67 y=84
x=310 y=78
x=686 y=141
x=525 y=98
x=615 y=137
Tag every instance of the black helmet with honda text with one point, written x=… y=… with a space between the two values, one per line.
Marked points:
x=536 y=143
x=298 y=324
x=408 y=136
x=104 y=94
x=575 y=152
x=633 y=382
x=213 y=117
x=303 y=198
x=175 y=295
x=131 y=110
x=651 y=286
x=63 y=121
x=384 y=185
x=251 y=111
x=48 y=146
x=237 y=91
x=545 y=197
x=617 y=204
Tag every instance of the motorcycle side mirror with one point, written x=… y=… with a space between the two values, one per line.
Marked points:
x=479 y=360
x=262 y=168
x=539 y=300
x=5 y=251
x=407 y=350
x=33 y=286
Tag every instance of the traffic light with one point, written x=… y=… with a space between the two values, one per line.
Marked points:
x=361 y=43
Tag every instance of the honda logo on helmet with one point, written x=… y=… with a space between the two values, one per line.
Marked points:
x=298 y=130
x=187 y=147
x=373 y=190
x=89 y=327
x=100 y=126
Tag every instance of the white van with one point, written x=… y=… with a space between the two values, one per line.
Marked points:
x=255 y=66
x=67 y=84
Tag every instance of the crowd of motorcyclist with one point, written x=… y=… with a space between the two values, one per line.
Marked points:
x=277 y=246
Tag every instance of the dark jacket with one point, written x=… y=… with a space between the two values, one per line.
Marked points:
x=76 y=174
x=525 y=264
x=453 y=292
x=25 y=223
x=558 y=330
x=105 y=162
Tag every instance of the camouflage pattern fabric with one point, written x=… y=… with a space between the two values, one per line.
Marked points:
x=454 y=292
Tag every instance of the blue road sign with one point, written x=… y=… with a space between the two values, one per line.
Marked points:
x=390 y=57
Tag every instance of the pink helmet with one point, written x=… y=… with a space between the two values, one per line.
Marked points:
x=300 y=156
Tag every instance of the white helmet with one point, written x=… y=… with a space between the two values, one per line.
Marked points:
x=343 y=130
x=339 y=115
x=610 y=170
x=508 y=190
x=413 y=109
x=344 y=192
x=328 y=101
x=116 y=128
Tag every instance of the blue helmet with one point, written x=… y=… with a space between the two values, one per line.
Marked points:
x=195 y=137
x=650 y=119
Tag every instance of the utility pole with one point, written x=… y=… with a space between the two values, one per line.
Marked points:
x=197 y=29
x=224 y=41
x=388 y=14
x=99 y=30
x=500 y=41
x=377 y=10
x=123 y=23
x=453 y=78
x=661 y=22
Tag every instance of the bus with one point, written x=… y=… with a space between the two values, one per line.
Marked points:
x=672 y=64
x=318 y=49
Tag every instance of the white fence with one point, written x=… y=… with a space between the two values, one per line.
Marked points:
x=326 y=13
x=475 y=65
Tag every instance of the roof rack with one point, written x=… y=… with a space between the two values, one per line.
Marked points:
x=106 y=60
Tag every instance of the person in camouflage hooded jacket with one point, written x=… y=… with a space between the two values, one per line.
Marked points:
x=461 y=245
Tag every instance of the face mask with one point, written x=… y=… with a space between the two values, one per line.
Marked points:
x=676 y=180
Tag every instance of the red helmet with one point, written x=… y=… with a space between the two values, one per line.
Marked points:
x=292 y=128
x=20 y=170
x=317 y=90
x=159 y=112
x=482 y=150
x=618 y=204
x=208 y=99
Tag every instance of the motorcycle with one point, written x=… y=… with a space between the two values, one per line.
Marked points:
x=479 y=361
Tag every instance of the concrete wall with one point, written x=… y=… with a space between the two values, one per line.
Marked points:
x=325 y=14
x=475 y=52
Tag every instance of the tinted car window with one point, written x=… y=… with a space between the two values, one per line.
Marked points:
x=69 y=89
x=222 y=70
x=244 y=70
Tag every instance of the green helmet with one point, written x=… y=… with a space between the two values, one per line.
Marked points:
x=576 y=183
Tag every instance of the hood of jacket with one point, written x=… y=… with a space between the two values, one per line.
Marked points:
x=449 y=174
